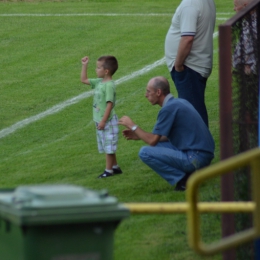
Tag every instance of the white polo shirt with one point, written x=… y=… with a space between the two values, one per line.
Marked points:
x=195 y=18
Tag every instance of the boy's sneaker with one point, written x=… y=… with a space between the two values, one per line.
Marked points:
x=181 y=184
x=105 y=174
x=117 y=170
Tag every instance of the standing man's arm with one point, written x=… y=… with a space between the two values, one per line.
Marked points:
x=184 y=49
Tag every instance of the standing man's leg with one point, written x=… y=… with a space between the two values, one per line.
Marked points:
x=191 y=86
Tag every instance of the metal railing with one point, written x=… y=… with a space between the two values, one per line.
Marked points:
x=193 y=208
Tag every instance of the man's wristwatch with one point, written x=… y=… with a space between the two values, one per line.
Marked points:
x=133 y=128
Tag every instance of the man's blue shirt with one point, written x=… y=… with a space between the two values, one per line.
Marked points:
x=183 y=126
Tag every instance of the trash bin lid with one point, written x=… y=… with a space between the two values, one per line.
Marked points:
x=49 y=204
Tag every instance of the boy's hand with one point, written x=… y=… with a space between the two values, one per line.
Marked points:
x=85 y=60
x=101 y=125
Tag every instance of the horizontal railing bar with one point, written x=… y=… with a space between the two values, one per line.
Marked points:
x=182 y=207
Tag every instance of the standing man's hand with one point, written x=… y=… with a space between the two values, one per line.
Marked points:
x=179 y=68
x=183 y=52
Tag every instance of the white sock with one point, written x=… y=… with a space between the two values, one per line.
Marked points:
x=115 y=167
x=110 y=171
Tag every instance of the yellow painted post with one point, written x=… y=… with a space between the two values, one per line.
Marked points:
x=255 y=167
x=251 y=158
x=193 y=215
x=193 y=208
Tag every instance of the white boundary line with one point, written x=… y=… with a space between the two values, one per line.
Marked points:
x=55 y=109
x=74 y=100
x=100 y=14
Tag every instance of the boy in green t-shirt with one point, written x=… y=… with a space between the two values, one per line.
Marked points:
x=103 y=109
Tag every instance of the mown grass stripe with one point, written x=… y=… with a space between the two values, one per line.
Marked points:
x=55 y=109
x=101 y=14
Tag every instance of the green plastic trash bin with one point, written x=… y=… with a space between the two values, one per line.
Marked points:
x=58 y=222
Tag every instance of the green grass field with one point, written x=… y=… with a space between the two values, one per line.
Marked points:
x=46 y=129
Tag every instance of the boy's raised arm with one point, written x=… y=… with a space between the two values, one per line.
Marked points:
x=84 y=70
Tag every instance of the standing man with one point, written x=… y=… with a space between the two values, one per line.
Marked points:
x=180 y=142
x=189 y=50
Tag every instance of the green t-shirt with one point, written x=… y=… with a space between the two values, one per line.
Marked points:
x=103 y=93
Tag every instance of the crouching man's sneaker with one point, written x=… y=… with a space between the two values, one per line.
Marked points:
x=181 y=184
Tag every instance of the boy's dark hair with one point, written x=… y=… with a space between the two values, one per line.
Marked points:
x=110 y=63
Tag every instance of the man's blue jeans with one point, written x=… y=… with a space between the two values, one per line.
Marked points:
x=191 y=86
x=171 y=163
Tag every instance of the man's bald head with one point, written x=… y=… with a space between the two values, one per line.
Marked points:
x=161 y=83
